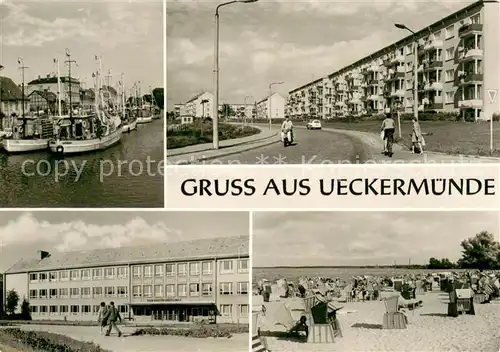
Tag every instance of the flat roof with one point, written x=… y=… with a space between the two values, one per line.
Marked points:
x=199 y=249
x=409 y=38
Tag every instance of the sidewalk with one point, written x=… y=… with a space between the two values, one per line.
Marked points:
x=201 y=152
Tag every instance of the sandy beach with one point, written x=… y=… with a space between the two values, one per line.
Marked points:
x=429 y=329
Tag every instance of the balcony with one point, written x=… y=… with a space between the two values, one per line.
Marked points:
x=471 y=54
x=340 y=103
x=356 y=75
x=433 y=65
x=470 y=29
x=372 y=68
x=433 y=86
x=341 y=88
x=471 y=78
x=374 y=97
x=433 y=45
x=470 y=104
x=433 y=106
x=373 y=82
x=395 y=76
x=397 y=59
x=398 y=93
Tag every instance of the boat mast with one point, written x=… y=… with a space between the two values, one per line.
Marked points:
x=123 y=97
x=59 y=108
x=22 y=68
x=1 y=81
x=69 y=62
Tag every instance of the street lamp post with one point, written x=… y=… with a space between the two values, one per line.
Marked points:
x=1 y=118
x=215 y=122
x=270 y=100
x=415 y=69
x=245 y=107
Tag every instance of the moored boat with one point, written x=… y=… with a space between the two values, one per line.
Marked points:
x=130 y=126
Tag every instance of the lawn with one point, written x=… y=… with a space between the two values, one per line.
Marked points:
x=30 y=341
x=199 y=133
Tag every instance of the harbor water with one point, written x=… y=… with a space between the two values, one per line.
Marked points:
x=129 y=174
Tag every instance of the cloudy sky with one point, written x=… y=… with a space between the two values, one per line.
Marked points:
x=282 y=40
x=22 y=234
x=127 y=34
x=363 y=238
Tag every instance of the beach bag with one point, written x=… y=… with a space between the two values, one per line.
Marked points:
x=423 y=142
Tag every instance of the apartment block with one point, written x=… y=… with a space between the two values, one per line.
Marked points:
x=200 y=280
x=239 y=111
x=457 y=71
x=199 y=106
x=271 y=107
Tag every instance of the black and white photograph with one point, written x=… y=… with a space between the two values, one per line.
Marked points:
x=81 y=104
x=332 y=82
x=124 y=281
x=376 y=281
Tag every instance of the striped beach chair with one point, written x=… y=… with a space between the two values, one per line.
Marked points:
x=393 y=318
x=258 y=343
x=318 y=332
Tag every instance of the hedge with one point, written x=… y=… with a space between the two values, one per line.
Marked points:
x=196 y=331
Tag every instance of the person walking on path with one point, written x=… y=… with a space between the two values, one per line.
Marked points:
x=100 y=316
x=388 y=131
x=112 y=316
x=416 y=138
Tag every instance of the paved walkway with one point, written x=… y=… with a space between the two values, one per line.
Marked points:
x=127 y=343
x=200 y=152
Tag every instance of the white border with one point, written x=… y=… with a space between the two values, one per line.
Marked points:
x=164 y=103
x=250 y=280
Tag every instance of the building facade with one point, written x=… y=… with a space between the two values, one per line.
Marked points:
x=49 y=84
x=457 y=72
x=239 y=111
x=41 y=101
x=151 y=284
x=11 y=98
x=199 y=106
x=271 y=107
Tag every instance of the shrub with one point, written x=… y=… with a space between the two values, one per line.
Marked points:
x=197 y=331
x=48 y=342
x=496 y=117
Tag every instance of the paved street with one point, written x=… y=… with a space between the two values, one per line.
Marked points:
x=127 y=343
x=336 y=147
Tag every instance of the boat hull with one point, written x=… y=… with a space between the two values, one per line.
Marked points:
x=144 y=119
x=65 y=147
x=25 y=145
x=130 y=126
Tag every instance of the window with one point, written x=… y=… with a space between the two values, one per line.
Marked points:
x=97 y=273
x=123 y=309
x=206 y=289
x=63 y=309
x=194 y=269
x=53 y=309
x=243 y=310
x=95 y=309
x=226 y=267
x=85 y=274
x=44 y=309
x=43 y=277
x=449 y=54
x=449 y=32
x=86 y=309
x=53 y=276
x=243 y=288
x=449 y=75
x=182 y=290
x=64 y=275
x=122 y=272
x=86 y=292
x=158 y=290
x=147 y=290
x=158 y=270
x=137 y=291
x=34 y=309
x=170 y=289
x=226 y=309
x=450 y=97
x=206 y=268
x=476 y=19
x=194 y=290
x=33 y=294
x=243 y=265
x=53 y=293
x=75 y=309
x=109 y=291
x=437 y=35
x=109 y=273
x=182 y=269
x=122 y=291
x=170 y=269
x=63 y=293
x=148 y=271
x=97 y=291
x=42 y=293
x=136 y=272
x=74 y=275
x=226 y=288
x=408 y=49
x=75 y=292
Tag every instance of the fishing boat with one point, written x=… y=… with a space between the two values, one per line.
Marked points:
x=80 y=132
x=26 y=133
x=144 y=113
x=128 y=118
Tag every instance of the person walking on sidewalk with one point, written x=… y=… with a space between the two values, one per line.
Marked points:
x=388 y=130
x=112 y=316
x=100 y=316
x=416 y=138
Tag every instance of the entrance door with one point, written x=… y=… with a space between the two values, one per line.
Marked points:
x=182 y=314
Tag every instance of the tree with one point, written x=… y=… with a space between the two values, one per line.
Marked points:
x=444 y=263
x=226 y=110
x=11 y=301
x=25 y=310
x=480 y=252
x=158 y=94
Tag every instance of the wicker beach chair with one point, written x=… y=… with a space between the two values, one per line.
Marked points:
x=259 y=344
x=465 y=301
x=393 y=318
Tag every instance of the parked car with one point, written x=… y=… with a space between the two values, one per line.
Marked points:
x=314 y=125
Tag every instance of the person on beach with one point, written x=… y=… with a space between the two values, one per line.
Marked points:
x=100 y=317
x=388 y=131
x=112 y=316
x=416 y=138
